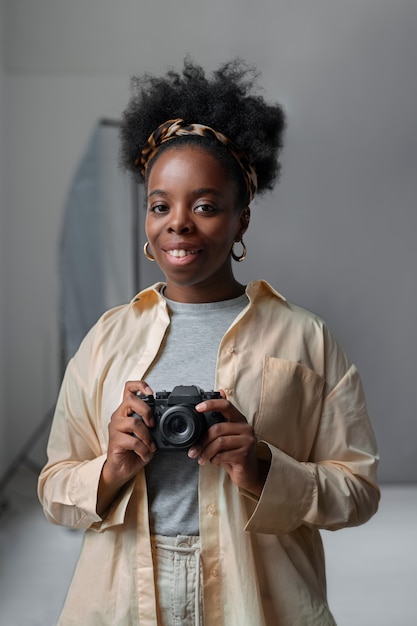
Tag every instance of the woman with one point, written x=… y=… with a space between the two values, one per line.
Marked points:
x=225 y=531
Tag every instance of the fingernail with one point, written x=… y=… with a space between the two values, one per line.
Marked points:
x=201 y=407
x=192 y=453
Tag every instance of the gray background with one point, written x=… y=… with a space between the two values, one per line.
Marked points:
x=336 y=236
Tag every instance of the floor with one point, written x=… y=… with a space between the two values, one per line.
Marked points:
x=372 y=570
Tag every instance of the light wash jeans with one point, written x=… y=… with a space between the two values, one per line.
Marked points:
x=178 y=576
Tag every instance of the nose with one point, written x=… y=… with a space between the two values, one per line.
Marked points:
x=180 y=220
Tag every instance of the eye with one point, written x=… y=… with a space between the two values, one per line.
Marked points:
x=158 y=208
x=205 y=209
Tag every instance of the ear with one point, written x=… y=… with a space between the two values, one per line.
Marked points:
x=244 y=219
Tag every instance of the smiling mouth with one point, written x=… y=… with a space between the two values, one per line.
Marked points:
x=179 y=254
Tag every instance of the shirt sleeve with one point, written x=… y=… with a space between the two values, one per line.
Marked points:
x=336 y=486
x=77 y=445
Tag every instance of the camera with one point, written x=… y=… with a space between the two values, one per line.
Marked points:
x=178 y=425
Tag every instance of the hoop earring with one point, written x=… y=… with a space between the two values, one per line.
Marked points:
x=242 y=257
x=147 y=253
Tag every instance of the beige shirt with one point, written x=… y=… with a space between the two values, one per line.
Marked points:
x=262 y=560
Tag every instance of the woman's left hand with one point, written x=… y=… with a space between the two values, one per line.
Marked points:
x=231 y=445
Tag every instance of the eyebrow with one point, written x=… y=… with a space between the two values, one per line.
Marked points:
x=157 y=192
x=195 y=192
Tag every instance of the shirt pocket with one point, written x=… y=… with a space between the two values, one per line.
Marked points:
x=290 y=406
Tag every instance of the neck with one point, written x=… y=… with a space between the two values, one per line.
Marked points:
x=200 y=294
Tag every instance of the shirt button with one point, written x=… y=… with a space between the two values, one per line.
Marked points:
x=214 y=573
x=211 y=509
x=230 y=349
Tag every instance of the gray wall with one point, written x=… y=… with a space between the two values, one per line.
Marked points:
x=2 y=268
x=337 y=235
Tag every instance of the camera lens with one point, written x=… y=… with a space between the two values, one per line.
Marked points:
x=180 y=426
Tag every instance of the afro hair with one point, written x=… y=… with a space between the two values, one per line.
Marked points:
x=228 y=101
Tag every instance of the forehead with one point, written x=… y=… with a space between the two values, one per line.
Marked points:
x=185 y=153
x=187 y=163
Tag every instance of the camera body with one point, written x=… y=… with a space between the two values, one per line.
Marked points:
x=178 y=426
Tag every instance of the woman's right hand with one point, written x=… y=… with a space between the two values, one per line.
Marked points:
x=130 y=446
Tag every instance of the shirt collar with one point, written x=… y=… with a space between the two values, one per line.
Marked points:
x=258 y=288
x=150 y=295
x=255 y=289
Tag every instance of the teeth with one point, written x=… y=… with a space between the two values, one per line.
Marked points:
x=179 y=254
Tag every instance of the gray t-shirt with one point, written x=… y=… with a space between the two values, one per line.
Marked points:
x=187 y=356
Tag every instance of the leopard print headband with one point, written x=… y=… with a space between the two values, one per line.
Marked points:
x=178 y=128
